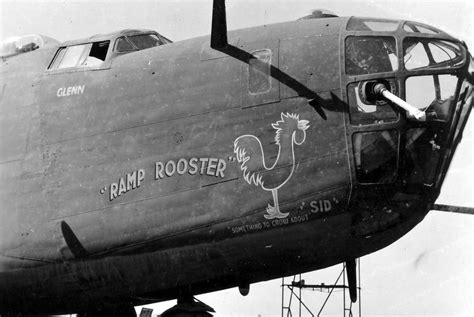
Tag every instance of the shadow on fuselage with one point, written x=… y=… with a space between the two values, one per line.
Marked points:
x=314 y=100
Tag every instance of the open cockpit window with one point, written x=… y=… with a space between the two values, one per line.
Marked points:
x=370 y=54
x=81 y=55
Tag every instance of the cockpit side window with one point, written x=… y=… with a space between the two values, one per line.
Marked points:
x=97 y=54
x=69 y=56
x=82 y=55
x=370 y=54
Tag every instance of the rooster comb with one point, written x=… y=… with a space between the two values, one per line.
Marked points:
x=289 y=121
x=290 y=118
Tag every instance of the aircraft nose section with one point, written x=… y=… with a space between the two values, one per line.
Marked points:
x=408 y=87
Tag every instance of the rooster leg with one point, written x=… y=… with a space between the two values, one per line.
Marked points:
x=274 y=212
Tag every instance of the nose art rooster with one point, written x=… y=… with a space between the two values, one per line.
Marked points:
x=290 y=130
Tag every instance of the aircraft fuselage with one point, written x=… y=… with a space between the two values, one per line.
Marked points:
x=181 y=168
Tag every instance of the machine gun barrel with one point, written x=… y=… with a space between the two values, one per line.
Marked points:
x=413 y=112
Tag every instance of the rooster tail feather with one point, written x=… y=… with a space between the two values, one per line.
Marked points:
x=249 y=154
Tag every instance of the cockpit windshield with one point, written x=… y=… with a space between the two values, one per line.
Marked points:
x=138 y=42
x=143 y=41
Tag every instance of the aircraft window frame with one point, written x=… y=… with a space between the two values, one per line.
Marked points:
x=129 y=39
x=376 y=25
x=375 y=148
x=438 y=105
x=57 y=57
x=88 y=56
x=124 y=39
x=72 y=56
x=259 y=77
x=425 y=48
x=364 y=112
x=164 y=40
x=413 y=27
x=137 y=43
x=422 y=152
x=360 y=59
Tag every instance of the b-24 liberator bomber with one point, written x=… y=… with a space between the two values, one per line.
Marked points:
x=136 y=170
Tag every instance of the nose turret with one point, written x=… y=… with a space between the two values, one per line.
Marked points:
x=407 y=86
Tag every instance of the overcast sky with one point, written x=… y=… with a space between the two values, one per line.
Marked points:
x=427 y=272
